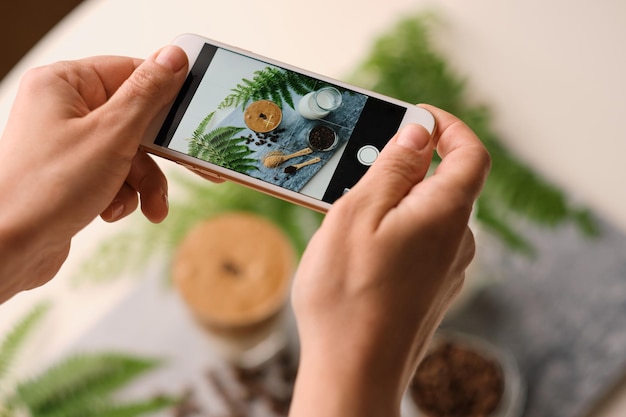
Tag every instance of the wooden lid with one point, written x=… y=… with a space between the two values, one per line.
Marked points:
x=263 y=116
x=234 y=269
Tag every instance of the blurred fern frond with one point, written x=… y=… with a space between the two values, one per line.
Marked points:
x=15 y=339
x=78 y=386
x=142 y=242
x=83 y=386
x=404 y=64
x=81 y=380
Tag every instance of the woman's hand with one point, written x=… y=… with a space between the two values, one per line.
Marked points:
x=378 y=276
x=70 y=153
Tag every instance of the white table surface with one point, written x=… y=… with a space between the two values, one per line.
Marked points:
x=551 y=71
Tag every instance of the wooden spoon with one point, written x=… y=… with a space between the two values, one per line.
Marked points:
x=275 y=158
x=293 y=168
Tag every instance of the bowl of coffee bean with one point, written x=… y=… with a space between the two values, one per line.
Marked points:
x=322 y=138
x=465 y=376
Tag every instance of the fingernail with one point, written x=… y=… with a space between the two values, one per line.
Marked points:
x=171 y=57
x=117 y=209
x=413 y=137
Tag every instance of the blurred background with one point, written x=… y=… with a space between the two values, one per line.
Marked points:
x=550 y=75
x=24 y=23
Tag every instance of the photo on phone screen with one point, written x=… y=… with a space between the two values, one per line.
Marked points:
x=277 y=125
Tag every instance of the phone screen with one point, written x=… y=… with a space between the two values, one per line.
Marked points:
x=251 y=116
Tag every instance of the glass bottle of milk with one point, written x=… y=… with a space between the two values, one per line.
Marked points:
x=318 y=104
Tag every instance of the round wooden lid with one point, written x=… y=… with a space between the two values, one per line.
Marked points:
x=262 y=116
x=234 y=269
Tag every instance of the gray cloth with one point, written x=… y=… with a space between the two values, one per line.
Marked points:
x=562 y=315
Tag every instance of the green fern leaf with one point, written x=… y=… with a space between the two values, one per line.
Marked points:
x=227 y=102
x=219 y=134
x=15 y=339
x=499 y=224
x=270 y=83
x=240 y=95
x=298 y=83
x=106 y=407
x=275 y=94
x=403 y=64
x=199 y=200
x=293 y=83
x=140 y=408
x=285 y=94
x=220 y=148
x=297 y=222
x=126 y=252
x=203 y=125
x=81 y=379
x=261 y=87
x=244 y=164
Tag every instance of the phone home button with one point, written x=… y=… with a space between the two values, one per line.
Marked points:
x=367 y=155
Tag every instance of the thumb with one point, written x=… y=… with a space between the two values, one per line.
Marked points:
x=402 y=164
x=152 y=85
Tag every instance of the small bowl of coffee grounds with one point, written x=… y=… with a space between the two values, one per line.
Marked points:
x=465 y=376
x=322 y=138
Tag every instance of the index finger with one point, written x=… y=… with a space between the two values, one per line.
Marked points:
x=465 y=161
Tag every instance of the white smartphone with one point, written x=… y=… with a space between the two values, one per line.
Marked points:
x=285 y=131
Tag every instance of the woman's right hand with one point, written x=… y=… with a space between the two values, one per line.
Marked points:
x=378 y=276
